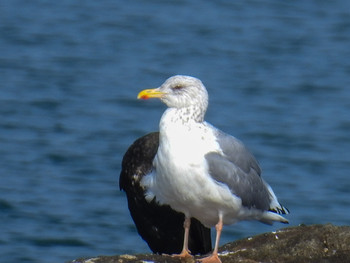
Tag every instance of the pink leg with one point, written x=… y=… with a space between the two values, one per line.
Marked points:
x=214 y=258
x=185 y=253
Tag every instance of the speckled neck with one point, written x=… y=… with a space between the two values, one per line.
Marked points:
x=183 y=115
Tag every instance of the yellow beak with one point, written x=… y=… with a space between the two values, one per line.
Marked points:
x=150 y=93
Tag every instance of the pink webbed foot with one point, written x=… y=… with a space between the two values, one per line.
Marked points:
x=185 y=254
x=213 y=258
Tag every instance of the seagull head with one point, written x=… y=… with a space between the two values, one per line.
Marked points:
x=180 y=92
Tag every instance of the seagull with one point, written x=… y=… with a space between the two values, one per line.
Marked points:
x=201 y=171
x=159 y=225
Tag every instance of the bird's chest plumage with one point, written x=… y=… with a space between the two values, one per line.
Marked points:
x=181 y=171
x=184 y=142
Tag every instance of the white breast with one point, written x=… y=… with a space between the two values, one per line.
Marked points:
x=181 y=177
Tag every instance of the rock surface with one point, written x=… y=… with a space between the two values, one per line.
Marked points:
x=302 y=244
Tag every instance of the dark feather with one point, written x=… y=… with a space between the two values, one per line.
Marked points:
x=159 y=225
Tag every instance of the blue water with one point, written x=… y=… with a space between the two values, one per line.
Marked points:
x=278 y=76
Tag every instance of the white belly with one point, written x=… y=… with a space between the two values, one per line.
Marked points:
x=181 y=177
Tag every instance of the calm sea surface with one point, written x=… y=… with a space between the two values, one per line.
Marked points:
x=278 y=76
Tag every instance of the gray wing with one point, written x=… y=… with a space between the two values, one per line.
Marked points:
x=238 y=169
x=235 y=151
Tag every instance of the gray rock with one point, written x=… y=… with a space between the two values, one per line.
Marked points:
x=302 y=244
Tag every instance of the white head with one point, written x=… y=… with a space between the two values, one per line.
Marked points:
x=180 y=92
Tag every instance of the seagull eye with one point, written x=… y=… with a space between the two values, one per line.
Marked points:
x=178 y=87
